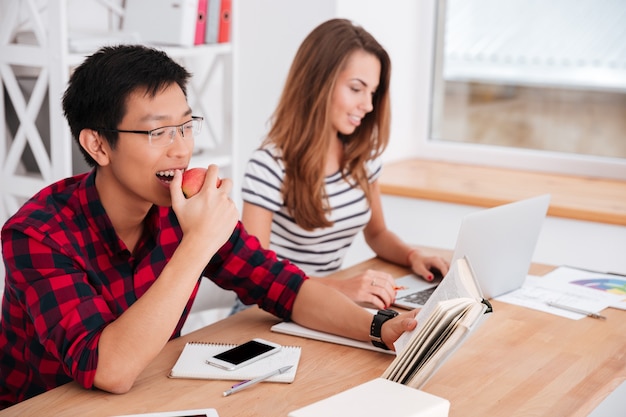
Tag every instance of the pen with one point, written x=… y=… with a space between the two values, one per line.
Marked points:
x=577 y=310
x=239 y=387
x=618 y=274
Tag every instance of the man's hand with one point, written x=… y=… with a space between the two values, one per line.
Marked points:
x=393 y=329
x=209 y=217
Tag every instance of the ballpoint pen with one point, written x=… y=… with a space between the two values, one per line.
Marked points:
x=238 y=387
x=618 y=274
x=576 y=310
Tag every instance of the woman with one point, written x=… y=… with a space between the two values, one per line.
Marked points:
x=312 y=186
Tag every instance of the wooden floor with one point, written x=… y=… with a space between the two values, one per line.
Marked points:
x=570 y=121
x=580 y=198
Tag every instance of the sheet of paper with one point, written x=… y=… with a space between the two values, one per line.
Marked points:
x=613 y=285
x=590 y=291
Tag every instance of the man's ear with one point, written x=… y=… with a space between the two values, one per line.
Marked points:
x=95 y=145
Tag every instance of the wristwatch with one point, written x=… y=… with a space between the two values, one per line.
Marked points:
x=377 y=323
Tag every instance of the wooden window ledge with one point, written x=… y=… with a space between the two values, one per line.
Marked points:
x=580 y=198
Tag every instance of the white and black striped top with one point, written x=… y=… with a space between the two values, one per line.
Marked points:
x=321 y=251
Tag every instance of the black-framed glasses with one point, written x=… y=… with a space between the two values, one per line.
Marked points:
x=164 y=135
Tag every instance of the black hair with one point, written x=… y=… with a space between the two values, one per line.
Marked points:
x=99 y=87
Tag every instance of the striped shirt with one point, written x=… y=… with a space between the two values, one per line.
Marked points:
x=320 y=251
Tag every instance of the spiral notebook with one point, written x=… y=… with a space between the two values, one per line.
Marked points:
x=192 y=363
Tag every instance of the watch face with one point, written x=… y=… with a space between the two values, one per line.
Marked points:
x=389 y=312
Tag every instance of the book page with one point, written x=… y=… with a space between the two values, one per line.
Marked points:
x=434 y=328
x=437 y=340
x=400 y=363
x=458 y=283
x=446 y=347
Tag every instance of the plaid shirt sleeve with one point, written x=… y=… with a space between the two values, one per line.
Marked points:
x=66 y=312
x=255 y=274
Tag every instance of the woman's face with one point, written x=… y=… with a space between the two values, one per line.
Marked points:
x=354 y=91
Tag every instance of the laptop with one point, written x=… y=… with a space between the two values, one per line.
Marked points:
x=499 y=242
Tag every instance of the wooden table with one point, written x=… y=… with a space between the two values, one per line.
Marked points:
x=520 y=362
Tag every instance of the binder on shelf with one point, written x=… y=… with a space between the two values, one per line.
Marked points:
x=223 y=35
x=201 y=22
x=212 y=21
x=162 y=22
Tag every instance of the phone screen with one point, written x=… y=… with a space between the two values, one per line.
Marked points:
x=244 y=352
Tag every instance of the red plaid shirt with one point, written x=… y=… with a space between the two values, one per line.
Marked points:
x=68 y=275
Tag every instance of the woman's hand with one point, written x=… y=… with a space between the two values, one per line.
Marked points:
x=371 y=287
x=427 y=266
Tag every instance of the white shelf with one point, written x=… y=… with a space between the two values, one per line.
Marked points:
x=205 y=158
x=210 y=51
x=205 y=50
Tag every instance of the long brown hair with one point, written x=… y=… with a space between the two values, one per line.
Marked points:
x=301 y=126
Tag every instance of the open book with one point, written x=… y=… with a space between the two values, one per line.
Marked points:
x=449 y=316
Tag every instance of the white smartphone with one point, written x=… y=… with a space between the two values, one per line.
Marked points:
x=244 y=354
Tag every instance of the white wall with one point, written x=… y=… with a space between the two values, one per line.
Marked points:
x=395 y=24
x=267 y=34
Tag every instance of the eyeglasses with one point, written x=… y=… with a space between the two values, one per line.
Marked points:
x=164 y=135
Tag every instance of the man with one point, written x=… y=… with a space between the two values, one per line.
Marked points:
x=103 y=267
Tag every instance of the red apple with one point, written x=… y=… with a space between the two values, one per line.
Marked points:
x=193 y=179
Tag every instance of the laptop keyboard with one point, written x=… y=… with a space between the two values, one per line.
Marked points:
x=419 y=297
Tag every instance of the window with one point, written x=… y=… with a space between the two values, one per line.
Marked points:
x=526 y=84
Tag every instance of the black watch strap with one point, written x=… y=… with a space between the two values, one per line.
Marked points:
x=377 y=324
